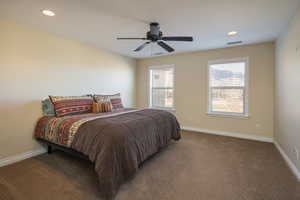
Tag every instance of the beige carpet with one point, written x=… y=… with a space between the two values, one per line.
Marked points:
x=199 y=167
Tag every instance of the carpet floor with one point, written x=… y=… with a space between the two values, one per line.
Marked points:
x=198 y=167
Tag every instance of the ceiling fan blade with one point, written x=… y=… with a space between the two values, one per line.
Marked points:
x=165 y=46
x=142 y=46
x=178 y=38
x=132 y=38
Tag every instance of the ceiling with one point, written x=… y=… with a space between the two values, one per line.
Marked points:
x=99 y=22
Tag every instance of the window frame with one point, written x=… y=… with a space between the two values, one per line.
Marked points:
x=172 y=66
x=210 y=112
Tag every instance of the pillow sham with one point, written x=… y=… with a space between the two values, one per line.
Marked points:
x=104 y=97
x=48 y=108
x=116 y=103
x=115 y=100
x=102 y=106
x=68 y=105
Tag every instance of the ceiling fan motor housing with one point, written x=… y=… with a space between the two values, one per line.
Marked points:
x=154 y=34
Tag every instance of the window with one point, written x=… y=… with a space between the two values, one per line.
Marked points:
x=161 y=91
x=228 y=81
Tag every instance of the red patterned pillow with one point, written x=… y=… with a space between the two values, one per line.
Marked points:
x=115 y=100
x=104 y=97
x=116 y=103
x=68 y=105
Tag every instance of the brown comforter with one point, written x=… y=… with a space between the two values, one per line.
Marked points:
x=118 y=144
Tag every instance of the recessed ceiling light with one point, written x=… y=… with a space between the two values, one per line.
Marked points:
x=232 y=33
x=48 y=13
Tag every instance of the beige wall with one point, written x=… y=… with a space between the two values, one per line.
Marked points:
x=191 y=88
x=34 y=64
x=287 y=89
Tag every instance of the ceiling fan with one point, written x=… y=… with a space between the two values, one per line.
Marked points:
x=156 y=36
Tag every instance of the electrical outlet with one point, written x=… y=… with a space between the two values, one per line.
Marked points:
x=296 y=152
x=257 y=126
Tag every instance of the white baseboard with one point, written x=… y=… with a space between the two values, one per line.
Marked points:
x=230 y=134
x=291 y=165
x=13 y=159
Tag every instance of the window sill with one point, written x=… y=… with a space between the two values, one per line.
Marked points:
x=236 y=116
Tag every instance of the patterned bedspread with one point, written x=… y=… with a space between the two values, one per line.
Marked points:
x=61 y=130
x=117 y=142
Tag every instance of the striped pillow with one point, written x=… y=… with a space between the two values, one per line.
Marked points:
x=101 y=97
x=68 y=105
x=103 y=106
x=116 y=103
x=115 y=100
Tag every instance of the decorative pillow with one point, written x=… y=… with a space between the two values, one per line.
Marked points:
x=116 y=103
x=48 y=108
x=67 y=105
x=101 y=97
x=115 y=100
x=102 y=106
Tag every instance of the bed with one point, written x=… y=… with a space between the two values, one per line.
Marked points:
x=115 y=142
